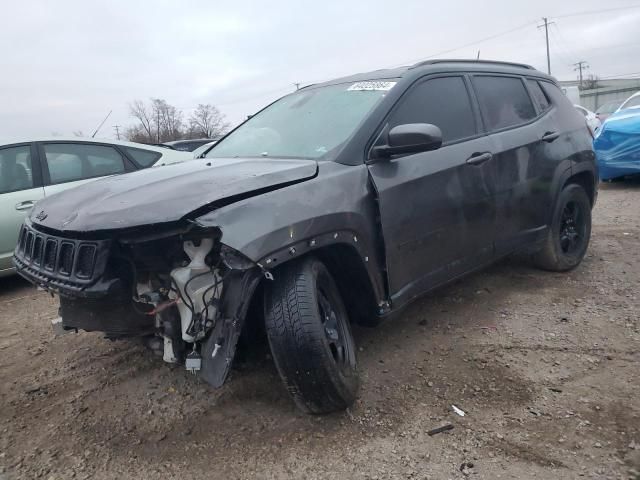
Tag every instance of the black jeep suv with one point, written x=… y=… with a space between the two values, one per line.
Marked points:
x=339 y=203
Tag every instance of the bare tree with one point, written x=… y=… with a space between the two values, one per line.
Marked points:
x=137 y=134
x=158 y=121
x=207 y=121
x=168 y=120
x=140 y=112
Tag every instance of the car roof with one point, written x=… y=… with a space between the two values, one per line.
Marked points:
x=440 y=65
x=88 y=140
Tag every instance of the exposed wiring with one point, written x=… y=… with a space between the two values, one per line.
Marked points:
x=219 y=281
x=593 y=12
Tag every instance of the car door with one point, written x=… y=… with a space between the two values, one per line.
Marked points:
x=20 y=188
x=437 y=208
x=69 y=164
x=525 y=165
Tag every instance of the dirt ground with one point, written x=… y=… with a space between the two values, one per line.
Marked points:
x=545 y=366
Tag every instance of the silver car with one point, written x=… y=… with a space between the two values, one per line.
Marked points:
x=31 y=170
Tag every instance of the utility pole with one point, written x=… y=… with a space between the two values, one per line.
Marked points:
x=297 y=85
x=546 y=35
x=117 y=127
x=581 y=65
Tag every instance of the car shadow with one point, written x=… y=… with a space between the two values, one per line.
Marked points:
x=629 y=183
x=12 y=285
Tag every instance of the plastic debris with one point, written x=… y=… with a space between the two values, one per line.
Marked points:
x=458 y=411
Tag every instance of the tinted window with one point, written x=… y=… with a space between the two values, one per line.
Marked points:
x=15 y=169
x=70 y=161
x=144 y=158
x=444 y=102
x=555 y=94
x=539 y=97
x=504 y=101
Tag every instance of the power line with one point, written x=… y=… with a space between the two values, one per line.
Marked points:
x=593 y=12
x=450 y=50
x=560 y=52
x=475 y=42
x=563 y=44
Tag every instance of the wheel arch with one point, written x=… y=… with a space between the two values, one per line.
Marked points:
x=587 y=180
x=350 y=268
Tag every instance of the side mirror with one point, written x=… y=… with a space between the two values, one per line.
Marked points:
x=410 y=138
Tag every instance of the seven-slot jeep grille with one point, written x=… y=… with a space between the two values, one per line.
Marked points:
x=59 y=262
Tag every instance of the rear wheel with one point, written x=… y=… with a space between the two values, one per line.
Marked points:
x=568 y=238
x=310 y=337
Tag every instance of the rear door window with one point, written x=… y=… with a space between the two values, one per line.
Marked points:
x=443 y=102
x=68 y=162
x=504 y=101
x=16 y=170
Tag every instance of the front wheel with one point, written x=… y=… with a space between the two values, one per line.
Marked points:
x=310 y=338
x=568 y=237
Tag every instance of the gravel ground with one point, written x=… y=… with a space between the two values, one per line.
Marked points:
x=545 y=366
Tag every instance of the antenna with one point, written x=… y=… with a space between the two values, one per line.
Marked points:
x=100 y=126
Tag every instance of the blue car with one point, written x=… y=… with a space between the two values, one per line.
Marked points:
x=617 y=145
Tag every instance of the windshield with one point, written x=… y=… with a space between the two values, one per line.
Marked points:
x=631 y=103
x=306 y=124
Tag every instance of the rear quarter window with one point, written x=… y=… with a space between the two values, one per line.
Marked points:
x=144 y=158
x=555 y=94
x=539 y=97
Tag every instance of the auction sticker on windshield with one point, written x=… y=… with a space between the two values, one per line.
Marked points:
x=379 y=85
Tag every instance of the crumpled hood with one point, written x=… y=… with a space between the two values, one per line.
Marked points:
x=164 y=194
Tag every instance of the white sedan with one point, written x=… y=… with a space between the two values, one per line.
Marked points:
x=33 y=169
x=593 y=122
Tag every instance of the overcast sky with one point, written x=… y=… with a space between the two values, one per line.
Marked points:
x=65 y=64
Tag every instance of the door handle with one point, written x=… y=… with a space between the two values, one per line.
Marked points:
x=478 y=158
x=550 y=136
x=25 y=205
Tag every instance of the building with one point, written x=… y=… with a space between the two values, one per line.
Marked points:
x=608 y=90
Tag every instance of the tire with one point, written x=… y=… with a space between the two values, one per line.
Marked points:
x=310 y=338
x=568 y=237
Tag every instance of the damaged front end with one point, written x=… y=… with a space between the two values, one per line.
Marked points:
x=183 y=291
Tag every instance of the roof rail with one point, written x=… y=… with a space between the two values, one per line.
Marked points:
x=484 y=62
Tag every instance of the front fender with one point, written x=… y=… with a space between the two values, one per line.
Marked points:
x=337 y=206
